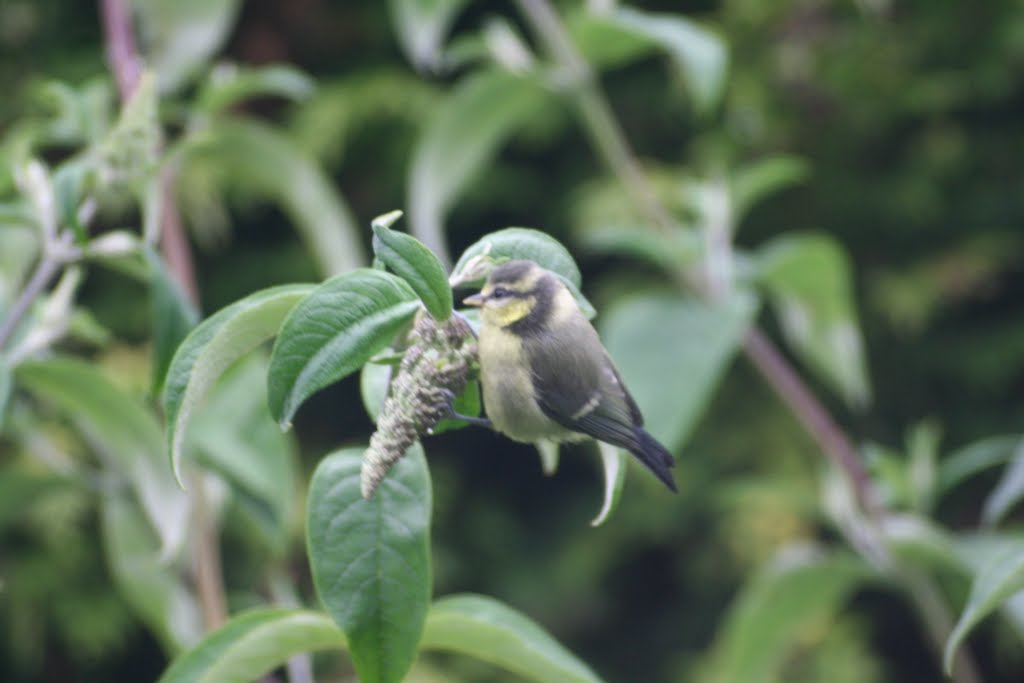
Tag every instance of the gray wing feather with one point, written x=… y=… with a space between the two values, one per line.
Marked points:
x=582 y=391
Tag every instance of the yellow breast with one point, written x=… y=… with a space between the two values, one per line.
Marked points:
x=508 y=389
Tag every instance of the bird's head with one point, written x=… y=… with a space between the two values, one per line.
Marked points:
x=516 y=293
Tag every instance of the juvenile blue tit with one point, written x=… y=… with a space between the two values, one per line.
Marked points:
x=545 y=374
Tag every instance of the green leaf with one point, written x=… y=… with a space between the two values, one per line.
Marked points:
x=212 y=347
x=123 y=433
x=809 y=280
x=179 y=37
x=408 y=258
x=173 y=317
x=69 y=187
x=19 y=248
x=374 y=381
x=976 y=457
x=671 y=352
x=978 y=550
x=228 y=85
x=251 y=644
x=613 y=463
x=699 y=53
x=523 y=243
x=1008 y=492
x=149 y=584
x=995 y=583
x=371 y=558
x=760 y=179
x=486 y=629
x=459 y=139
x=531 y=245
x=916 y=541
x=235 y=436
x=671 y=252
x=774 y=609
x=421 y=26
x=332 y=333
x=258 y=158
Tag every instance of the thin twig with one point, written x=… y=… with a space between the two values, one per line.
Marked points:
x=49 y=264
x=812 y=415
x=206 y=558
x=122 y=52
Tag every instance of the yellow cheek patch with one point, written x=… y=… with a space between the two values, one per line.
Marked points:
x=507 y=312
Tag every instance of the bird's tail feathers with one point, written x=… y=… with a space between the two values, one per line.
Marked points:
x=655 y=457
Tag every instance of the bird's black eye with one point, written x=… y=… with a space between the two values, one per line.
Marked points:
x=500 y=293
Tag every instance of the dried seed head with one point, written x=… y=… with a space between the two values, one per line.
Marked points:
x=434 y=369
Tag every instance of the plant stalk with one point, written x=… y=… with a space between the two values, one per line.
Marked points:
x=49 y=264
x=610 y=141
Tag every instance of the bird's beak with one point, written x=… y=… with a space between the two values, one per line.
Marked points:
x=475 y=300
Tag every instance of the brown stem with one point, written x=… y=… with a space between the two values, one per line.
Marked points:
x=206 y=558
x=173 y=242
x=812 y=415
x=122 y=52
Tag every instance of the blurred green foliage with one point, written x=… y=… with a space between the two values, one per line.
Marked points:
x=891 y=130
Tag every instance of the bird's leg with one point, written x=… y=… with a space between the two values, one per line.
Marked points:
x=453 y=415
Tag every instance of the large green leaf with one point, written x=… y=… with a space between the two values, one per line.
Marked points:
x=996 y=582
x=531 y=245
x=235 y=436
x=421 y=26
x=228 y=85
x=459 y=138
x=763 y=178
x=523 y=243
x=252 y=644
x=410 y=259
x=699 y=53
x=768 y=616
x=371 y=558
x=257 y=158
x=488 y=630
x=121 y=431
x=173 y=316
x=212 y=347
x=809 y=280
x=671 y=352
x=332 y=332
x=976 y=457
x=179 y=37
x=150 y=585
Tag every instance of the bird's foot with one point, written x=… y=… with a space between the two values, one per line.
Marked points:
x=452 y=414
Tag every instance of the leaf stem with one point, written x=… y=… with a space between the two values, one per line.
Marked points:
x=610 y=141
x=49 y=263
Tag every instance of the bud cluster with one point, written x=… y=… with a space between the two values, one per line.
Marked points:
x=434 y=369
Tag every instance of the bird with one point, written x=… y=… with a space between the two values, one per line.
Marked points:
x=545 y=374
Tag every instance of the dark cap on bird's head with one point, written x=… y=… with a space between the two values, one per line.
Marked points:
x=518 y=276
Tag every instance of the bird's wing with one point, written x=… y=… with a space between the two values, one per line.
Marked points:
x=582 y=391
